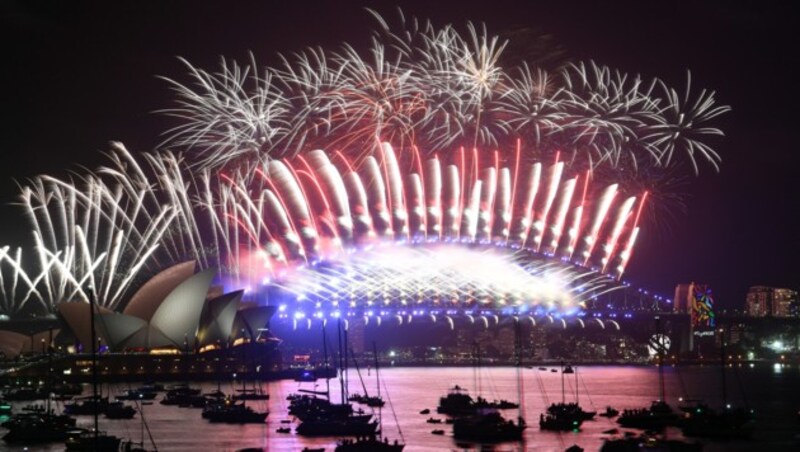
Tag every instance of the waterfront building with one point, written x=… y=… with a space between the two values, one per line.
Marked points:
x=764 y=301
x=783 y=301
x=176 y=310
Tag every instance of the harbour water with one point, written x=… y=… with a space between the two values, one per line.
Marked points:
x=772 y=391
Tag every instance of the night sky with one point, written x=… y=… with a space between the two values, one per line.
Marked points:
x=76 y=75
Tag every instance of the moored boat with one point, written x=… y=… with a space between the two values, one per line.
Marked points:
x=137 y=394
x=656 y=417
x=368 y=444
x=85 y=440
x=119 y=410
x=38 y=428
x=488 y=427
x=234 y=413
x=648 y=442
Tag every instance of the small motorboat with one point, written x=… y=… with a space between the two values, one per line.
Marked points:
x=425 y=411
x=118 y=410
x=433 y=421
x=284 y=430
x=438 y=432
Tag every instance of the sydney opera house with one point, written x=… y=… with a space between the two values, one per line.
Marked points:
x=176 y=313
x=176 y=309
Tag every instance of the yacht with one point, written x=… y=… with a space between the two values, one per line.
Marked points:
x=234 y=413
x=368 y=444
x=488 y=427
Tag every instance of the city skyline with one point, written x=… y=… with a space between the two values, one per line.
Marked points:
x=107 y=88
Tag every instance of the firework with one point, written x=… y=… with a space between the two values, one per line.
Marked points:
x=437 y=89
x=370 y=170
x=443 y=275
x=107 y=230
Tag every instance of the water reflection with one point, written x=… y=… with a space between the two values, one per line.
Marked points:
x=408 y=391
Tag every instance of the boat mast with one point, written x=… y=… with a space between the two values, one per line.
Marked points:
x=49 y=369
x=660 y=349
x=722 y=367
x=142 y=403
x=345 y=375
x=378 y=380
x=520 y=381
x=475 y=366
x=94 y=362
x=478 y=367
x=563 y=397
x=327 y=370
x=377 y=377
x=244 y=376
x=358 y=371
x=341 y=366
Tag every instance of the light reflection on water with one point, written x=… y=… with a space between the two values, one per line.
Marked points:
x=775 y=396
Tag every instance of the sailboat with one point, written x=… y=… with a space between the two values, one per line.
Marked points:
x=39 y=427
x=371 y=401
x=257 y=391
x=219 y=408
x=94 y=440
x=563 y=415
x=130 y=446
x=231 y=412
x=487 y=425
x=659 y=414
x=728 y=423
x=652 y=419
x=375 y=401
x=320 y=417
x=457 y=402
x=371 y=443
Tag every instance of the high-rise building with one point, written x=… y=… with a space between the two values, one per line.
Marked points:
x=763 y=301
x=697 y=300
x=758 y=300
x=683 y=298
x=783 y=301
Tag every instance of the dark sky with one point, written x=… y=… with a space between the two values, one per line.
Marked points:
x=76 y=75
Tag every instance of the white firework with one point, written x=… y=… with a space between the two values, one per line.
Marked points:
x=438 y=89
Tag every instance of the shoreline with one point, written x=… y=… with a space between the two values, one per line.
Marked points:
x=197 y=367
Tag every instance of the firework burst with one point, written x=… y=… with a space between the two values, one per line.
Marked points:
x=552 y=169
x=437 y=89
